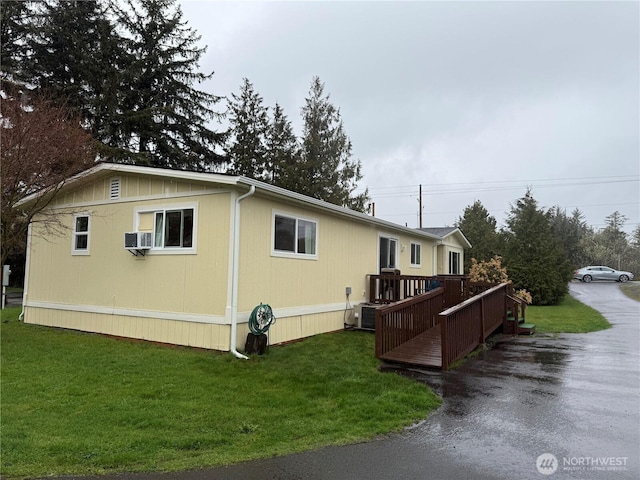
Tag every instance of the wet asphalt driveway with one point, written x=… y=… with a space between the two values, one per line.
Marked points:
x=575 y=398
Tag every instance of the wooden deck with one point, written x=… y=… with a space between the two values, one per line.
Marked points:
x=424 y=350
x=439 y=326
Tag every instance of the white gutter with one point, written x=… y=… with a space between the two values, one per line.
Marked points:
x=235 y=274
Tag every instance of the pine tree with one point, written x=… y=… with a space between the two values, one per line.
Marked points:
x=73 y=55
x=283 y=151
x=14 y=16
x=480 y=229
x=165 y=116
x=327 y=170
x=534 y=259
x=248 y=120
x=569 y=232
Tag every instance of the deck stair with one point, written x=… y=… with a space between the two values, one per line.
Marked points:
x=519 y=326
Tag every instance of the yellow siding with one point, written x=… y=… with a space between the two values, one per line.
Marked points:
x=347 y=252
x=307 y=295
x=111 y=277
x=200 y=335
x=287 y=329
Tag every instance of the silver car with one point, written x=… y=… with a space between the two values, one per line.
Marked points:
x=600 y=272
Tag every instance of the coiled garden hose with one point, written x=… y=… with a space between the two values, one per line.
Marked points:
x=261 y=319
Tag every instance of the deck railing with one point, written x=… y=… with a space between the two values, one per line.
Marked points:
x=400 y=322
x=468 y=324
x=389 y=288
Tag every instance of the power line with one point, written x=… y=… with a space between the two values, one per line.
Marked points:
x=492 y=182
x=445 y=191
x=504 y=210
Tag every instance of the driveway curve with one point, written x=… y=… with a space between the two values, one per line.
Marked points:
x=565 y=406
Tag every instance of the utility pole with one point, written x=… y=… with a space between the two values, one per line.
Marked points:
x=420 y=207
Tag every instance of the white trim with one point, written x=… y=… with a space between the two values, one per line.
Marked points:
x=144 y=198
x=234 y=181
x=287 y=254
x=193 y=250
x=450 y=253
x=396 y=239
x=243 y=317
x=130 y=312
x=27 y=268
x=74 y=234
x=306 y=310
x=419 y=245
x=230 y=273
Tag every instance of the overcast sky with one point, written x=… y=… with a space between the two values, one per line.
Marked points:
x=473 y=100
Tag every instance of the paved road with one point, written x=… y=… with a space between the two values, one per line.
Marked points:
x=576 y=397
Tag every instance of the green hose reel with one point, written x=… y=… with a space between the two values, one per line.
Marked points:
x=261 y=319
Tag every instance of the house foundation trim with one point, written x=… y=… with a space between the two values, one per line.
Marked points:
x=243 y=317
x=130 y=312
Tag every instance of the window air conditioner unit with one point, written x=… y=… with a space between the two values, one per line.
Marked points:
x=138 y=240
x=365 y=316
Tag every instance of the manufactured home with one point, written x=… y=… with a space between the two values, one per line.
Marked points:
x=184 y=257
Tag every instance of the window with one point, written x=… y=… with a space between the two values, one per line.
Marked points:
x=80 y=235
x=174 y=228
x=454 y=263
x=388 y=252
x=292 y=235
x=416 y=254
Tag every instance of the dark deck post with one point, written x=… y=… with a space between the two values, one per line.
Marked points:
x=482 y=314
x=443 y=342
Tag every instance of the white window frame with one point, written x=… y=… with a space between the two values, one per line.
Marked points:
x=392 y=241
x=75 y=234
x=155 y=209
x=293 y=254
x=415 y=248
x=458 y=261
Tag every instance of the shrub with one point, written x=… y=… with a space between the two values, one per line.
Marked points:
x=493 y=272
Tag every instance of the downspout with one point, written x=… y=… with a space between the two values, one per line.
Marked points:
x=236 y=265
x=26 y=273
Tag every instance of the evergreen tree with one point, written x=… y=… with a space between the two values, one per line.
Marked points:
x=327 y=171
x=480 y=229
x=534 y=259
x=569 y=232
x=14 y=16
x=128 y=69
x=247 y=150
x=635 y=237
x=73 y=57
x=283 y=151
x=165 y=117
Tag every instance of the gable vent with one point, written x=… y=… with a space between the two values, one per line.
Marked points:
x=114 y=188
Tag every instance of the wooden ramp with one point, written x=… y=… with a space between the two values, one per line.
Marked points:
x=424 y=350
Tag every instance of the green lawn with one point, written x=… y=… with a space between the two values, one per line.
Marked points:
x=571 y=316
x=631 y=290
x=77 y=403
